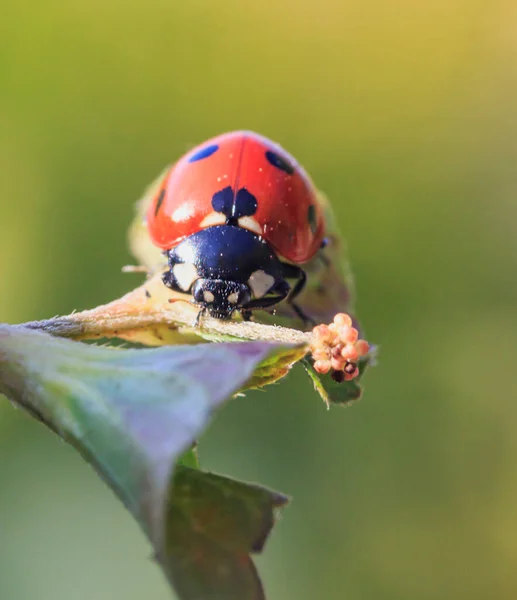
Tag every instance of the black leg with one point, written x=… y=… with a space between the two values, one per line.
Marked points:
x=294 y=272
x=280 y=291
x=266 y=302
x=199 y=315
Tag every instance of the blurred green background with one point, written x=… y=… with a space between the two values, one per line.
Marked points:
x=404 y=112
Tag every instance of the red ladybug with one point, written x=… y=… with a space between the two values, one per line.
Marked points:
x=236 y=217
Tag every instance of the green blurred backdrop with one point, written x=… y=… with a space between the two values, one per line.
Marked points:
x=404 y=112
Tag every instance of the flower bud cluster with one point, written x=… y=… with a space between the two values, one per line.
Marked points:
x=336 y=349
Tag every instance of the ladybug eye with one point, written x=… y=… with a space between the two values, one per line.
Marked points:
x=204 y=153
x=280 y=163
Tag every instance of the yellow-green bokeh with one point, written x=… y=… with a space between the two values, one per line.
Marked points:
x=404 y=113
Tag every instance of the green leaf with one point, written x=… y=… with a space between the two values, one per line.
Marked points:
x=133 y=414
x=190 y=458
x=214 y=524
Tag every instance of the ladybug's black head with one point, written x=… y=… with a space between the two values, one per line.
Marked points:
x=220 y=297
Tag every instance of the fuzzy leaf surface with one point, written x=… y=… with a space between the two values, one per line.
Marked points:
x=134 y=415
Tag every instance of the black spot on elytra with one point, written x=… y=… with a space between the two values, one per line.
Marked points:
x=204 y=153
x=280 y=163
x=159 y=202
x=245 y=204
x=222 y=201
x=242 y=204
x=311 y=217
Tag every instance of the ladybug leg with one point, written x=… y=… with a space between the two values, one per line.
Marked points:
x=199 y=315
x=281 y=291
x=246 y=314
x=294 y=272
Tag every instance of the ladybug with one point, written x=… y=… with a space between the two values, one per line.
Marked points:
x=236 y=217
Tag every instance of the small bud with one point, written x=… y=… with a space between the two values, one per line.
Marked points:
x=343 y=332
x=322 y=366
x=349 y=352
x=323 y=333
x=350 y=367
x=350 y=376
x=351 y=371
x=320 y=354
x=362 y=347
x=351 y=336
x=337 y=363
x=336 y=351
x=342 y=320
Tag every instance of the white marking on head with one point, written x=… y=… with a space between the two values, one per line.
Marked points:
x=260 y=283
x=214 y=218
x=251 y=224
x=185 y=274
x=233 y=298
x=208 y=296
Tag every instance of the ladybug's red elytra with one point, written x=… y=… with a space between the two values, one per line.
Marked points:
x=237 y=216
